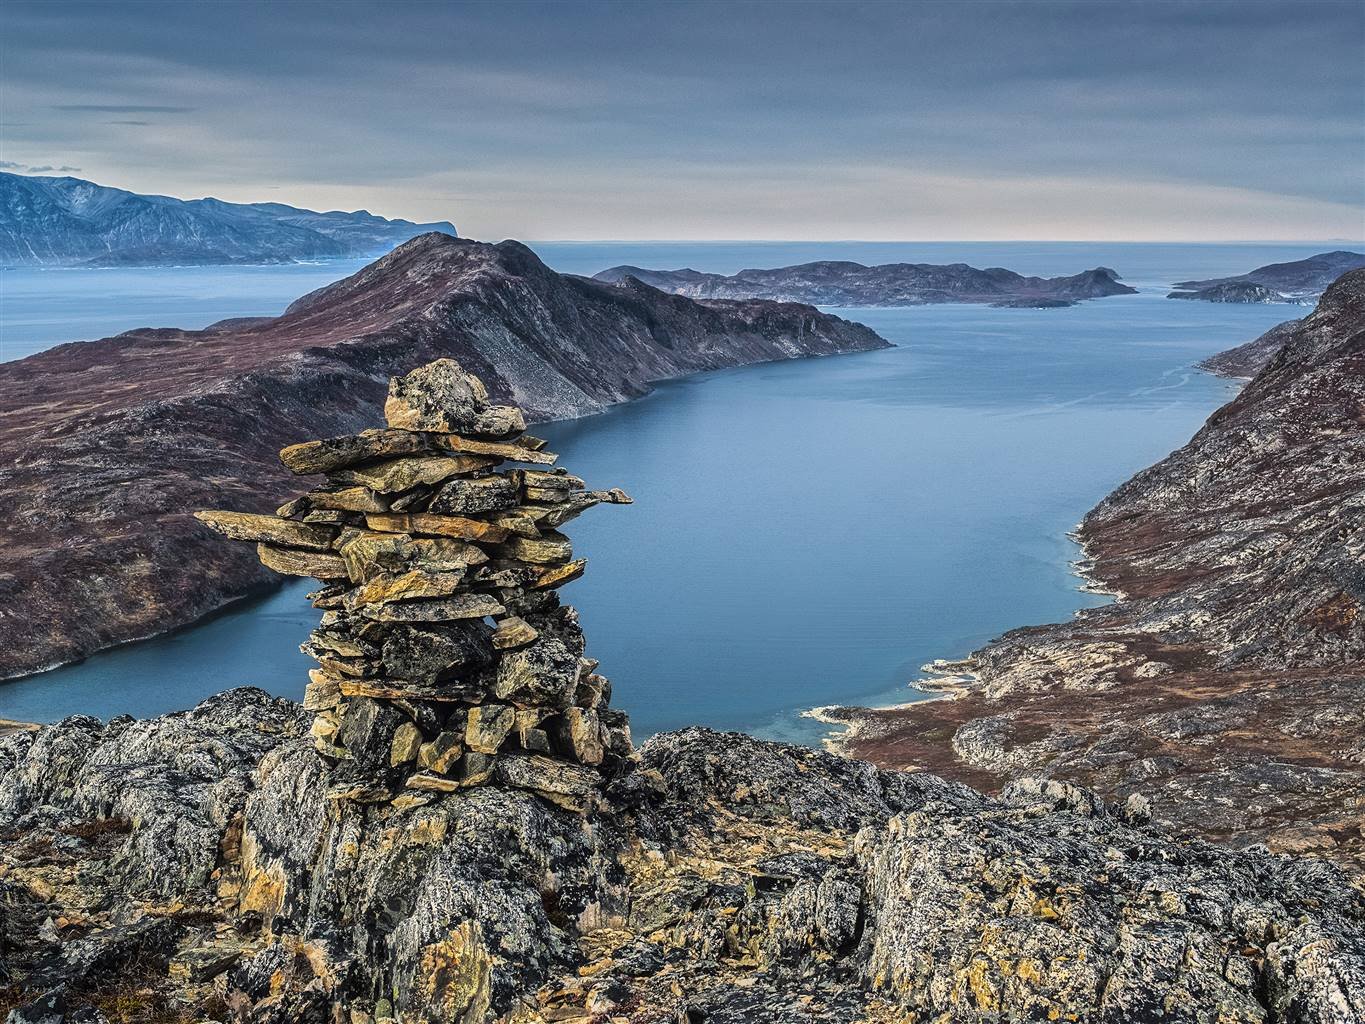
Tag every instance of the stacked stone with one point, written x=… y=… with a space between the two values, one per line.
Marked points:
x=445 y=657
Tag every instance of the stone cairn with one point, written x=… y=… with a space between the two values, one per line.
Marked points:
x=445 y=657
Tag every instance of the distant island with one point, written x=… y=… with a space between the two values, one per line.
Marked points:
x=1300 y=281
x=73 y=222
x=843 y=283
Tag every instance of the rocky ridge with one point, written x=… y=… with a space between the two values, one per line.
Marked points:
x=107 y=447
x=419 y=540
x=1226 y=681
x=841 y=283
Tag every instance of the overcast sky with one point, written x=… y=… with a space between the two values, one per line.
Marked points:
x=969 y=120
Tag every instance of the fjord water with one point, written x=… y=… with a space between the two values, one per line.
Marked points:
x=809 y=532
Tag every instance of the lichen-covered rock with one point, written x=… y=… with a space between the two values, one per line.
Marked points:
x=725 y=879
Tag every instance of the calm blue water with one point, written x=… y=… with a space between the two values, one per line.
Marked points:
x=804 y=533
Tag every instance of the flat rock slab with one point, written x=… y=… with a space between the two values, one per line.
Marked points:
x=513 y=451
x=441 y=526
x=293 y=562
x=407 y=472
x=335 y=453
x=269 y=529
x=405 y=586
x=443 y=609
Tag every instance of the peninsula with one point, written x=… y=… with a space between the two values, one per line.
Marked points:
x=111 y=445
x=73 y=222
x=841 y=283
x=1298 y=281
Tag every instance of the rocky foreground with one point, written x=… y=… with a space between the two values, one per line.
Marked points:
x=107 y=447
x=195 y=867
x=842 y=283
x=1227 y=682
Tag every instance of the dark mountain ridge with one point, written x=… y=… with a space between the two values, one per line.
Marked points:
x=76 y=222
x=108 y=446
x=844 y=283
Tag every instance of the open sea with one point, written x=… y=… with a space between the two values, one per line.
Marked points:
x=805 y=533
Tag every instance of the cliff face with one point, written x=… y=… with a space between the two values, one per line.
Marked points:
x=194 y=864
x=836 y=283
x=108 y=446
x=71 y=221
x=1227 y=680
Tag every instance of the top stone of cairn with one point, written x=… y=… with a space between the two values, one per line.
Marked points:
x=442 y=397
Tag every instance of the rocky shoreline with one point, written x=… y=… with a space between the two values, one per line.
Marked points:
x=1227 y=680
x=111 y=445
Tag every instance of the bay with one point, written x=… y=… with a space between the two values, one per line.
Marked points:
x=804 y=533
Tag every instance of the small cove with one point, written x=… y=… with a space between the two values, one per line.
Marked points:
x=810 y=532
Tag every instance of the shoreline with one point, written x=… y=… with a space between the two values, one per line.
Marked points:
x=860 y=724
x=855 y=721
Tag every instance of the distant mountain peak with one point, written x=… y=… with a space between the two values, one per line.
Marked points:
x=71 y=221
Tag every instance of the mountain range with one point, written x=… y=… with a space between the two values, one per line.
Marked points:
x=844 y=283
x=69 y=221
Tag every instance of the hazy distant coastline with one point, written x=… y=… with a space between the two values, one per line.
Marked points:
x=46 y=221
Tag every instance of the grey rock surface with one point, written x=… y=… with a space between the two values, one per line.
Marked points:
x=726 y=879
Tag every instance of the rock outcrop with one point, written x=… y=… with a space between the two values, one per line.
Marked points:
x=107 y=447
x=420 y=542
x=839 y=283
x=198 y=866
x=1297 y=281
x=1227 y=682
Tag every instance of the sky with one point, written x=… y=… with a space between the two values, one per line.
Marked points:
x=696 y=120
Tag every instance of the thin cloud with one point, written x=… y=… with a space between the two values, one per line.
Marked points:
x=10 y=165
x=119 y=108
